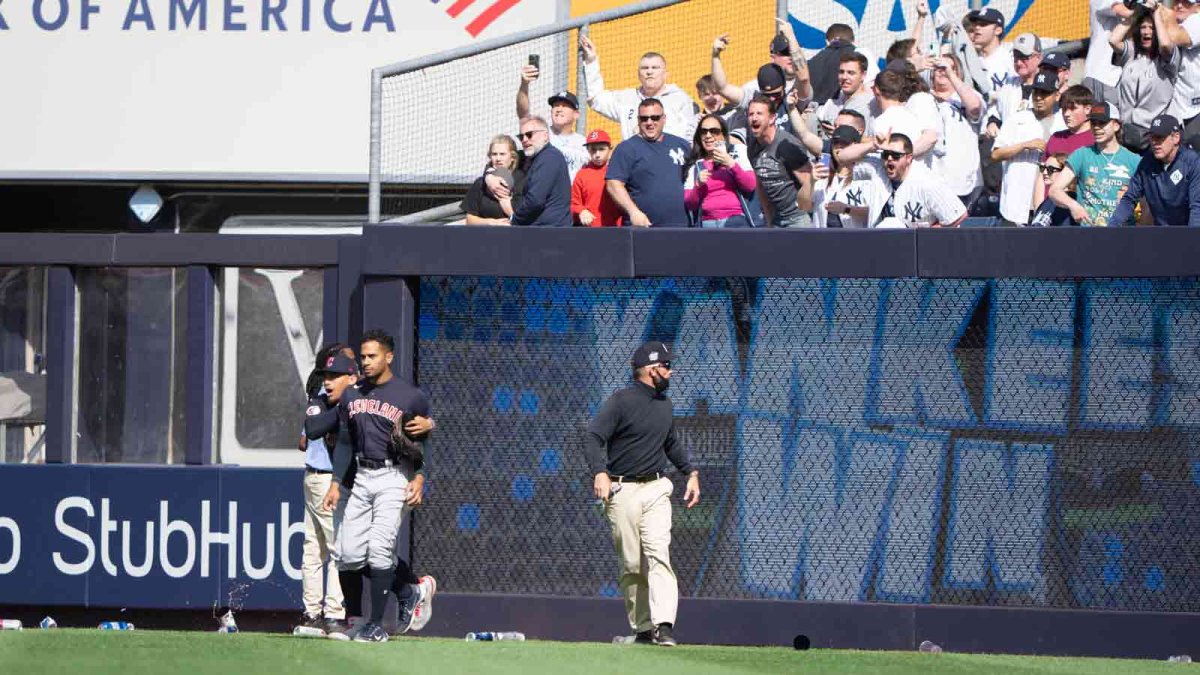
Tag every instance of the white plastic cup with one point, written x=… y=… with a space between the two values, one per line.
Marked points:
x=10 y=624
x=929 y=647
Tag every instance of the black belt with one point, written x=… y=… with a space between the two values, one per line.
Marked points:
x=647 y=478
x=309 y=469
x=368 y=463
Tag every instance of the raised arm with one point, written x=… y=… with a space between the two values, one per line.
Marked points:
x=731 y=92
x=803 y=82
x=528 y=74
x=600 y=99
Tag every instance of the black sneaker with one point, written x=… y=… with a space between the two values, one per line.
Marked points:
x=645 y=637
x=372 y=633
x=407 y=612
x=335 y=626
x=312 y=621
x=663 y=637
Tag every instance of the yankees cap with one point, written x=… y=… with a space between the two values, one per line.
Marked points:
x=1164 y=125
x=845 y=134
x=565 y=97
x=771 y=76
x=1055 y=60
x=780 y=46
x=651 y=353
x=1046 y=80
x=987 y=15
x=339 y=364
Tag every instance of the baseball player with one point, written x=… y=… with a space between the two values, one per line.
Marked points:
x=335 y=371
x=386 y=484
x=626 y=448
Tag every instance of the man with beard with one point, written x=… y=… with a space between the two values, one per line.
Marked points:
x=919 y=198
x=564 y=117
x=626 y=448
x=545 y=200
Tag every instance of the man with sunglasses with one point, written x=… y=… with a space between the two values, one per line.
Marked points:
x=645 y=172
x=1168 y=178
x=919 y=198
x=626 y=447
x=1101 y=171
x=545 y=200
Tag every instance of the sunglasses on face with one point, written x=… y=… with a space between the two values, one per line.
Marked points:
x=665 y=364
x=1049 y=168
x=891 y=154
x=711 y=131
x=649 y=118
x=528 y=135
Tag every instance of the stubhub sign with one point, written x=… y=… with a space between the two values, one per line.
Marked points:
x=165 y=537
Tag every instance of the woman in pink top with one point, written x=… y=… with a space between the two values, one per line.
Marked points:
x=717 y=178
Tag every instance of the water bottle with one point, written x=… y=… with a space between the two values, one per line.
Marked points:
x=115 y=625
x=10 y=624
x=929 y=647
x=1182 y=658
x=491 y=636
x=48 y=622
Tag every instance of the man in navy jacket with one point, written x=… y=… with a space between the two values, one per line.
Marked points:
x=546 y=199
x=1168 y=177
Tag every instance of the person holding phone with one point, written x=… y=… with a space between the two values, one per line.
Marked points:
x=563 y=117
x=842 y=196
x=717 y=177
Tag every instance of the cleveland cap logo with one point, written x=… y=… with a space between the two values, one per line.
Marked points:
x=329 y=362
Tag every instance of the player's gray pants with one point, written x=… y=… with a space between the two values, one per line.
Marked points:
x=372 y=519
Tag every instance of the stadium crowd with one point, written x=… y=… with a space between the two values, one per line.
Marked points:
x=953 y=122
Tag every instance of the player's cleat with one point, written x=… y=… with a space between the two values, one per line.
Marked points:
x=663 y=636
x=408 y=610
x=336 y=626
x=371 y=633
x=645 y=637
x=423 y=611
x=312 y=621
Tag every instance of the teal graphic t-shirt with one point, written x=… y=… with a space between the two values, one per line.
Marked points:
x=1100 y=180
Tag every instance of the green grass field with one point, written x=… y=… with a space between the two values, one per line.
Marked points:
x=96 y=653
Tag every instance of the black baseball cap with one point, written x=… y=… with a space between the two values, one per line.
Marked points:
x=566 y=97
x=1164 y=125
x=770 y=76
x=1055 y=60
x=1046 y=80
x=1103 y=112
x=339 y=364
x=986 y=15
x=651 y=353
x=780 y=46
x=845 y=133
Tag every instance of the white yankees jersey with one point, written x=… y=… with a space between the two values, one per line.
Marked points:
x=922 y=200
x=958 y=162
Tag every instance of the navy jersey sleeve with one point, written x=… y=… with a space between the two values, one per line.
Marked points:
x=343 y=451
x=319 y=419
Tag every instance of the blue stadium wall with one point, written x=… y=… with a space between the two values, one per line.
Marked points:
x=984 y=438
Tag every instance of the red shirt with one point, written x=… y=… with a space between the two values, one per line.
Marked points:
x=1066 y=142
x=589 y=193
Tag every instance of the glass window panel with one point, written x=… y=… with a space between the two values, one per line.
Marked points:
x=22 y=364
x=132 y=365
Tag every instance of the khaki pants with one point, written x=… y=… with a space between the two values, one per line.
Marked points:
x=319 y=546
x=640 y=515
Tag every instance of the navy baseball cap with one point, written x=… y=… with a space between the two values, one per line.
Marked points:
x=566 y=97
x=1055 y=60
x=1046 y=80
x=986 y=15
x=780 y=46
x=845 y=134
x=339 y=364
x=771 y=76
x=652 y=353
x=1164 y=125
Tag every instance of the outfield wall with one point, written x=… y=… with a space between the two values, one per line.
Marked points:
x=972 y=432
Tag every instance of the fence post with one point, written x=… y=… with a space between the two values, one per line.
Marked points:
x=374 y=193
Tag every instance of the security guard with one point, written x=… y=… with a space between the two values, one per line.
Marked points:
x=637 y=429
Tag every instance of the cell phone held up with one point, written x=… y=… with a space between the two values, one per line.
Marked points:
x=535 y=61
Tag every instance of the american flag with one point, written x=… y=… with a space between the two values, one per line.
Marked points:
x=484 y=19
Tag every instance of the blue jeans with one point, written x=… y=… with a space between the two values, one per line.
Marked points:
x=731 y=221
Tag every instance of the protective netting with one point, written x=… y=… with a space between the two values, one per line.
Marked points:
x=437 y=121
x=1003 y=442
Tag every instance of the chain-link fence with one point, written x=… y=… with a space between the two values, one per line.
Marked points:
x=1004 y=442
x=433 y=118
